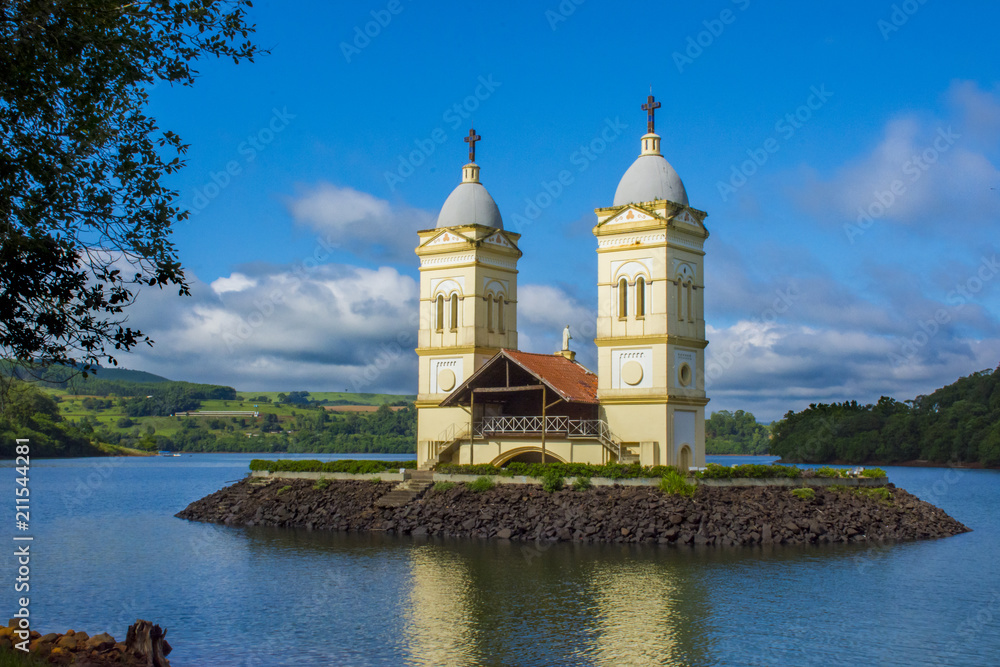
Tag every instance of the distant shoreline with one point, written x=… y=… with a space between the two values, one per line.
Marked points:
x=915 y=463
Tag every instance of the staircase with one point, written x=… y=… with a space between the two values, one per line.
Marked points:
x=407 y=490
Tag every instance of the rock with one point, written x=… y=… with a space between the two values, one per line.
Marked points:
x=504 y=533
x=100 y=642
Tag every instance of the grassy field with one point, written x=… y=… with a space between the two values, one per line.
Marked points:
x=353 y=398
x=71 y=407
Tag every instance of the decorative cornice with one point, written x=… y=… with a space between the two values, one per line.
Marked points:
x=668 y=339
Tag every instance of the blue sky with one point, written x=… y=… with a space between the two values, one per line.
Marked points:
x=847 y=156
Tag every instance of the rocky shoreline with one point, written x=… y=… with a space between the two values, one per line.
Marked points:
x=713 y=516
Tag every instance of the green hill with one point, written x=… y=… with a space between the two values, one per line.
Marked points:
x=957 y=424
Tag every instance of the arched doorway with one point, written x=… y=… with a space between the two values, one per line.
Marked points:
x=526 y=455
x=685 y=459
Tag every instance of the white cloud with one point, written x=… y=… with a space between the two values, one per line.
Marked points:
x=236 y=282
x=923 y=171
x=360 y=223
x=330 y=328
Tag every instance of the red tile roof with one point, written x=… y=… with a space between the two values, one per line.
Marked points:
x=567 y=378
x=571 y=381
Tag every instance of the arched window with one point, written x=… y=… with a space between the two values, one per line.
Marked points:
x=640 y=297
x=690 y=297
x=680 y=298
x=500 y=308
x=622 y=299
x=440 y=312
x=454 y=312
x=489 y=311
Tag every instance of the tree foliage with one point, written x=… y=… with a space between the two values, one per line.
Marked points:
x=85 y=215
x=957 y=423
x=735 y=433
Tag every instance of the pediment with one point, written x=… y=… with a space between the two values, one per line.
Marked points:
x=498 y=239
x=445 y=238
x=630 y=214
x=685 y=216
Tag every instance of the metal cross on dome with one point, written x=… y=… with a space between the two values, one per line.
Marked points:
x=649 y=107
x=472 y=139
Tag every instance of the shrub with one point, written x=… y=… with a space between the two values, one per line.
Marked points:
x=481 y=485
x=876 y=473
x=676 y=484
x=804 y=493
x=552 y=481
x=581 y=484
x=376 y=480
x=321 y=484
x=441 y=487
x=827 y=471
x=283 y=489
x=880 y=493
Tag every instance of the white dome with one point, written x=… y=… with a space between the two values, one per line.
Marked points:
x=650 y=177
x=469 y=204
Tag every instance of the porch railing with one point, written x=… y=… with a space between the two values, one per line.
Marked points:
x=572 y=428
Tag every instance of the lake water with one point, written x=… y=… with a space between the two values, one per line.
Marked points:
x=107 y=550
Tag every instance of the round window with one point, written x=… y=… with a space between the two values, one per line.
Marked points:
x=684 y=375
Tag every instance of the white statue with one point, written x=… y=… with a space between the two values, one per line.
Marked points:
x=566 y=338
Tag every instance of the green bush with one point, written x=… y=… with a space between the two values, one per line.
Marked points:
x=283 y=489
x=582 y=484
x=875 y=473
x=804 y=493
x=481 y=485
x=353 y=466
x=879 y=493
x=674 y=483
x=321 y=484
x=608 y=470
x=375 y=480
x=552 y=481
x=827 y=471
x=441 y=487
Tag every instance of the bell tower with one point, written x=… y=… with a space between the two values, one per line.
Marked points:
x=650 y=325
x=468 y=302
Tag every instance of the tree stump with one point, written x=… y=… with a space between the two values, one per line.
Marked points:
x=148 y=642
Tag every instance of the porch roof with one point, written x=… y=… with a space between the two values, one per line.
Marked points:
x=567 y=379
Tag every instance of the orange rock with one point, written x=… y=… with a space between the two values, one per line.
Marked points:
x=60 y=656
x=40 y=648
x=68 y=642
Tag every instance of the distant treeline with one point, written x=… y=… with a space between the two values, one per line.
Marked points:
x=735 y=433
x=313 y=431
x=959 y=423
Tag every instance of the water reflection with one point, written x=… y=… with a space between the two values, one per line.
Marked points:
x=438 y=630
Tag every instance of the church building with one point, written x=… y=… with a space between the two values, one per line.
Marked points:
x=481 y=400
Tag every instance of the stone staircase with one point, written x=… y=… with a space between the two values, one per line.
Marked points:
x=408 y=490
